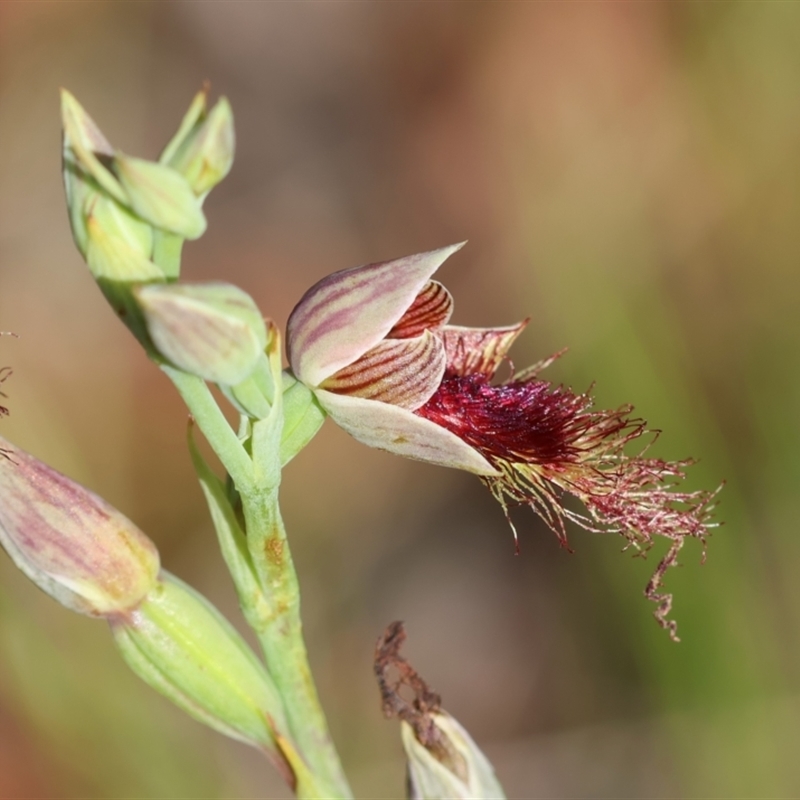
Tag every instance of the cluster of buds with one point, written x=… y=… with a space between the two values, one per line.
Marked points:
x=129 y=218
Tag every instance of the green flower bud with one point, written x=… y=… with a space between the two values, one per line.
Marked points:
x=160 y=195
x=212 y=330
x=69 y=542
x=86 y=179
x=118 y=244
x=202 y=149
x=451 y=767
x=179 y=644
x=86 y=148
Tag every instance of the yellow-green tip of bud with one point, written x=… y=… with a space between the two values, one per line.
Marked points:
x=202 y=150
x=212 y=330
x=70 y=542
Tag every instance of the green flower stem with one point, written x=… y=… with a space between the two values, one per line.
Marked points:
x=281 y=637
x=261 y=565
x=212 y=423
x=167 y=252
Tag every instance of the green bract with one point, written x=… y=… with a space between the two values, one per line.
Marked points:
x=182 y=646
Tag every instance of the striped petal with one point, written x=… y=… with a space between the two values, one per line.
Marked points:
x=402 y=432
x=346 y=314
x=430 y=311
x=478 y=351
x=403 y=372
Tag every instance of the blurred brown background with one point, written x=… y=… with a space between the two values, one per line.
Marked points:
x=628 y=174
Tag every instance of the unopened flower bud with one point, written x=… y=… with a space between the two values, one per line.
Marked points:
x=86 y=178
x=118 y=244
x=179 y=644
x=202 y=149
x=160 y=195
x=450 y=766
x=212 y=330
x=69 y=541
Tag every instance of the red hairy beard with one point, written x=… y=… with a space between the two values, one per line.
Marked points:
x=527 y=421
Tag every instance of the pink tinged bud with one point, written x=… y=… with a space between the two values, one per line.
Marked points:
x=69 y=541
x=213 y=330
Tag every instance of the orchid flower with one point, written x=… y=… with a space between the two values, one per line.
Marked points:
x=374 y=345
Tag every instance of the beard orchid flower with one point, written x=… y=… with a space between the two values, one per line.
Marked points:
x=374 y=345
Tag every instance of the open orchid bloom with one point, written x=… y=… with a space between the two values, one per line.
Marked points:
x=374 y=346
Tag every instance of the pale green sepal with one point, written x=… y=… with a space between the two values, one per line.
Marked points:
x=80 y=192
x=247 y=398
x=302 y=417
x=160 y=195
x=402 y=432
x=70 y=542
x=184 y=648
x=115 y=254
x=457 y=771
x=84 y=139
x=118 y=244
x=214 y=330
x=205 y=154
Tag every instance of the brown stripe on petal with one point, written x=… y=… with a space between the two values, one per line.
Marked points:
x=478 y=351
x=430 y=310
x=346 y=314
x=401 y=372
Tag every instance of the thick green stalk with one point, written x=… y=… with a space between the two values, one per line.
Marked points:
x=280 y=633
x=281 y=636
x=264 y=574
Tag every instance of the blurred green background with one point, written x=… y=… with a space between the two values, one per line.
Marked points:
x=628 y=174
